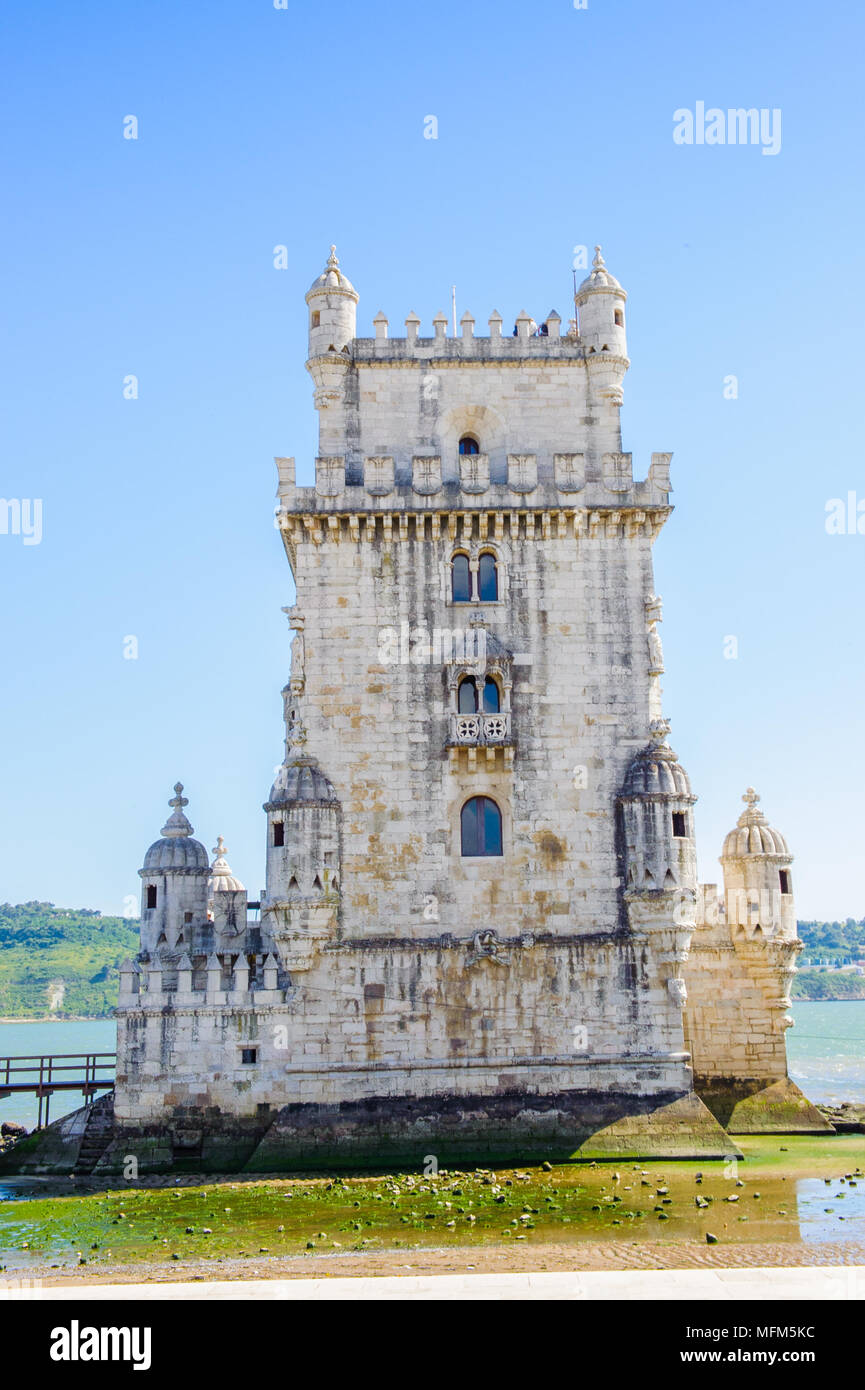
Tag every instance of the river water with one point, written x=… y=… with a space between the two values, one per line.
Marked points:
x=826 y=1052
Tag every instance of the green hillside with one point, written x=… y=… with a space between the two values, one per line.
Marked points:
x=61 y=962
x=828 y=984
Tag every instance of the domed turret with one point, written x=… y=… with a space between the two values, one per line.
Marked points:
x=301 y=781
x=300 y=908
x=758 y=885
x=174 y=880
x=227 y=893
x=657 y=821
x=600 y=300
x=332 y=300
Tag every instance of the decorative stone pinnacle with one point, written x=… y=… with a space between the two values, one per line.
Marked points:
x=332 y=261
x=177 y=824
x=598 y=262
x=219 y=849
x=750 y=797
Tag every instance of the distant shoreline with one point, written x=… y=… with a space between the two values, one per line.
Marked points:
x=52 y=1018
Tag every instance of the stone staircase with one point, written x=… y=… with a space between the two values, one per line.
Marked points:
x=98 y=1133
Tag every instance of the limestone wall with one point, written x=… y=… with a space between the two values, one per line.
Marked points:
x=403 y=1018
x=735 y=1018
x=377 y=709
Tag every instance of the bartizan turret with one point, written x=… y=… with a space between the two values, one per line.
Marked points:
x=600 y=303
x=228 y=899
x=658 y=857
x=174 y=883
x=332 y=301
x=300 y=909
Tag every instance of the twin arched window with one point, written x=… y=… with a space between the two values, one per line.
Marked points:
x=488 y=578
x=480 y=828
x=467 y=696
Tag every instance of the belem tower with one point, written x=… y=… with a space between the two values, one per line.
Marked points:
x=482 y=934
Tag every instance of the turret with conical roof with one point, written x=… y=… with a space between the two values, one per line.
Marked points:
x=174 y=879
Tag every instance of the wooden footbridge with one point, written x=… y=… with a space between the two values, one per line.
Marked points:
x=87 y=1072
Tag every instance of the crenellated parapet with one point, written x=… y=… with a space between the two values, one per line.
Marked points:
x=430 y=483
x=171 y=983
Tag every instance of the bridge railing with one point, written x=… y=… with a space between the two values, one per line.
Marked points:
x=43 y=1074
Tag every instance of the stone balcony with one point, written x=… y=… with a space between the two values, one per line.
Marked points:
x=480 y=730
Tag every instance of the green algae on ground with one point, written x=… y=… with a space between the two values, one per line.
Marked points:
x=753 y=1201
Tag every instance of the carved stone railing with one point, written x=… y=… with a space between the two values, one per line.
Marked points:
x=480 y=730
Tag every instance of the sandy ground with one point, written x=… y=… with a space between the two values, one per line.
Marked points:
x=488 y=1260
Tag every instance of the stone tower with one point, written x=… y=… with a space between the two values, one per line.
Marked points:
x=482 y=880
x=475 y=939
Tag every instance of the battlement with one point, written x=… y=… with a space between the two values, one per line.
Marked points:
x=171 y=984
x=434 y=483
x=528 y=339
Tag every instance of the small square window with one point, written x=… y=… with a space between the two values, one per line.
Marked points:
x=680 y=826
x=187 y=916
x=249 y=1056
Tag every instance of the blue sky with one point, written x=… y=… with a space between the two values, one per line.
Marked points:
x=301 y=126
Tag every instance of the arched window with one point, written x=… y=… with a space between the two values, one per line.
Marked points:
x=467 y=696
x=461 y=579
x=480 y=828
x=469 y=445
x=488 y=578
x=492 y=696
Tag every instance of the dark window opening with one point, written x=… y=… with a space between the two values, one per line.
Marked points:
x=481 y=828
x=278 y=833
x=492 y=698
x=680 y=825
x=248 y=1056
x=488 y=579
x=468 y=445
x=316 y=318
x=620 y=319
x=461 y=579
x=187 y=916
x=784 y=876
x=467 y=697
x=151 y=896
